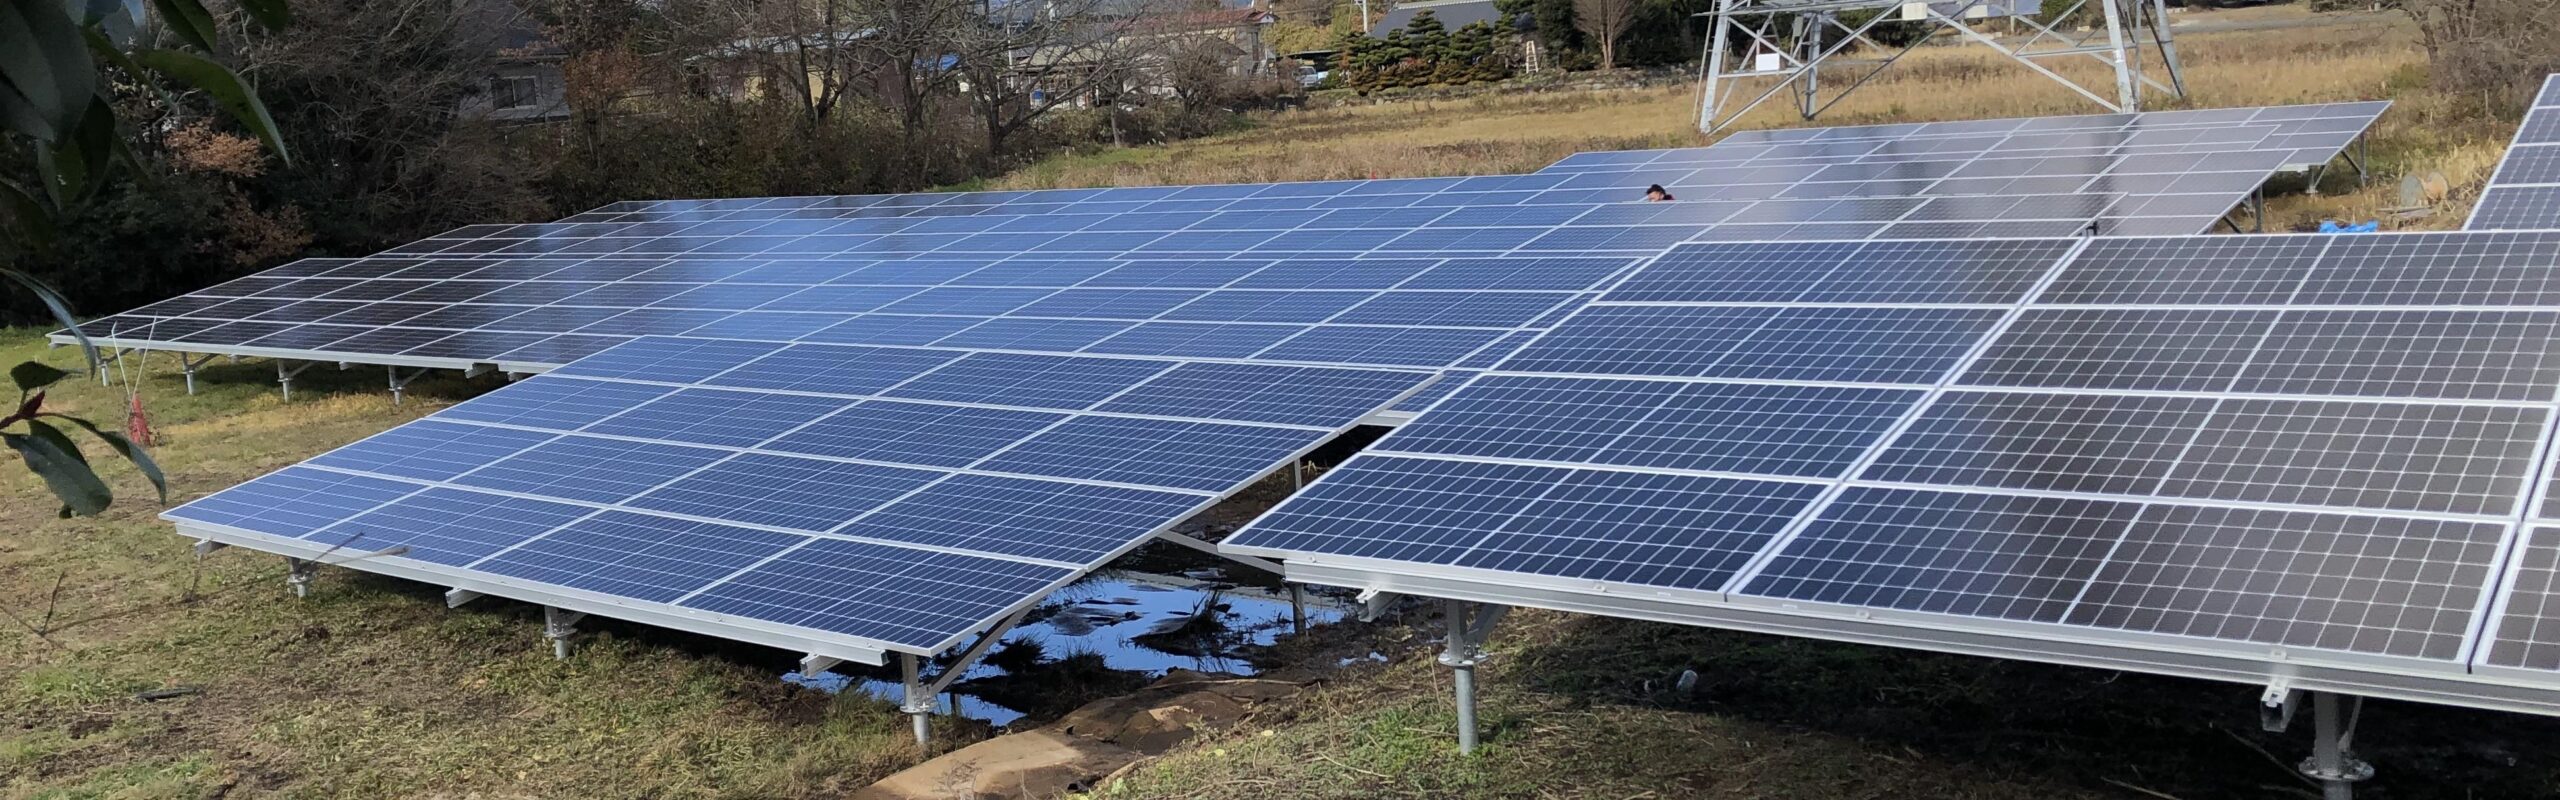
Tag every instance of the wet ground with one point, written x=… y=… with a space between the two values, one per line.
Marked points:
x=1108 y=634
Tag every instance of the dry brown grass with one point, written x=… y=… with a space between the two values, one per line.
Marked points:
x=2358 y=57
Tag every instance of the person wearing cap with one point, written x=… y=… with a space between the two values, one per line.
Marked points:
x=1656 y=194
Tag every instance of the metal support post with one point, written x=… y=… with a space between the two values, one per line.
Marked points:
x=400 y=383
x=190 y=365
x=1469 y=624
x=919 y=704
x=1809 y=37
x=2333 y=762
x=2126 y=100
x=285 y=375
x=1297 y=608
x=1711 y=94
x=2258 y=207
x=558 y=624
x=2168 y=46
x=297 y=575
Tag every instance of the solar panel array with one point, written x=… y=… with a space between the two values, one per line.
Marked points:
x=2160 y=172
x=1412 y=272
x=2302 y=449
x=875 y=498
x=2524 y=193
x=534 y=314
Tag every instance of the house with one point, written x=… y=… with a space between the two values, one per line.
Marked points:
x=525 y=84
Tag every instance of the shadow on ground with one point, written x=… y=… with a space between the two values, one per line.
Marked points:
x=2104 y=729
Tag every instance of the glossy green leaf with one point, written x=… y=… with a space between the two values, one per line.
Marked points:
x=33 y=375
x=271 y=13
x=21 y=210
x=63 y=470
x=61 y=310
x=44 y=70
x=225 y=86
x=125 y=447
x=189 y=20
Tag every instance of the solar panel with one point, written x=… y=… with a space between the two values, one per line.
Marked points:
x=1321 y=262
x=865 y=499
x=2524 y=193
x=2248 y=456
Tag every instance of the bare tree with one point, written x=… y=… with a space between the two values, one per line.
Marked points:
x=1030 y=58
x=1605 y=21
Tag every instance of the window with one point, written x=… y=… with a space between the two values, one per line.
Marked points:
x=511 y=92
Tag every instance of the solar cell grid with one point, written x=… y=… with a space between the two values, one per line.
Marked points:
x=2525 y=632
x=2005 y=557
x=2365 y=584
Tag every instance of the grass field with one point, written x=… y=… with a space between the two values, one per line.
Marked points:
x=371 y=688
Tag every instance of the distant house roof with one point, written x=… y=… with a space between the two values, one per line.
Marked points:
x=1453 y=14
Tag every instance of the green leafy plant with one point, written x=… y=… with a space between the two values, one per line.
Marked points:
x=32 y=432
x=61 y=63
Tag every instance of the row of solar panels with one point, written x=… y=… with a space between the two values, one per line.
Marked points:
x=844 y=500
x=543 y=313
x=2524 y=193
x=2242 y=466
x=2300 y=136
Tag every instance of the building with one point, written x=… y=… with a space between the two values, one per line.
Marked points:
x=525 y=84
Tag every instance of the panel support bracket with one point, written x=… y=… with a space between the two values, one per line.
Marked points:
x=1373 y=603
x=918 y=703
x=558 y=624
x=400 y=383
x=455 y=598
x=2276 y=705
x=1265 y=565
x=285 y=372
x=189 y=365
x=1469 y=625
x=206 y=547
x=298 y=573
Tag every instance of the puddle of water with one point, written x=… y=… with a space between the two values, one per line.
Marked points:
x=1135 y=626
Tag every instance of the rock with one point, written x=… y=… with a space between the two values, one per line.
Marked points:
x=1079 y=750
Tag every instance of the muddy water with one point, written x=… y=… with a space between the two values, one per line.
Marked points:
x=1108 y=634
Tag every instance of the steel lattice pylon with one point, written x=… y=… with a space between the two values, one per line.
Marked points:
x=1793 y=40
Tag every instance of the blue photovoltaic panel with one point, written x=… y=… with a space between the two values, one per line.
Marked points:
x=1865 y=345
x=590 y=468
x=718 y=417
x=557 y=403
x=878 y=592
x=640 y=556
x=430 y=450
x=2064 y=442
x=1203 y=456
x=1242 y=392
x=292 y=502
x=784 y=491
x=1983 y=555
x=1061 y=522
x=1418 y=347
x=2524 y=192
x=448 y=526
x=700 y=497
x=915 y=433
x=2171 y=419
x=1771 y=430
x=840 y=370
